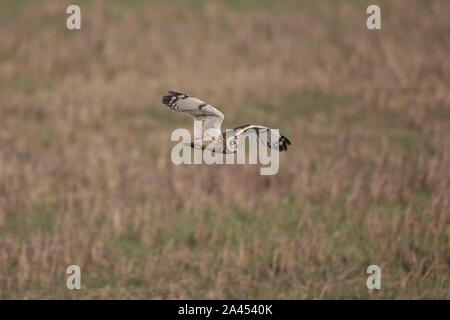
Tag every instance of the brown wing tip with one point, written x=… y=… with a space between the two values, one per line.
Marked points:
x=283 y=143
x=166 y=100
x=172 y=97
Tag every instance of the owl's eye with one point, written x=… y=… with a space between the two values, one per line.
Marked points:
x=233 y=142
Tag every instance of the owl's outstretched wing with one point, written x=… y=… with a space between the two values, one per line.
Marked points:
x=196 y=109
x=268 y=137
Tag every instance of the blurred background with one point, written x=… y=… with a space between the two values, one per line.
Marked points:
x=85 y=170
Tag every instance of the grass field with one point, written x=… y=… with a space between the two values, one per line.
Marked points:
x=86 y=176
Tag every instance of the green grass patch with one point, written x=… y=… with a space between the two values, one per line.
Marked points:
x=24 y=223
x=275 y=7
x=128 y=245
x=27 y=84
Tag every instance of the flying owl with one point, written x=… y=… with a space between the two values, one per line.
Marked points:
x=212 y=138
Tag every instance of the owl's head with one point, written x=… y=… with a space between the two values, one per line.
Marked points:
x=232 y=144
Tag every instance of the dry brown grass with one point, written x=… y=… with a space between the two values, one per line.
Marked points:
x=86 y=176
